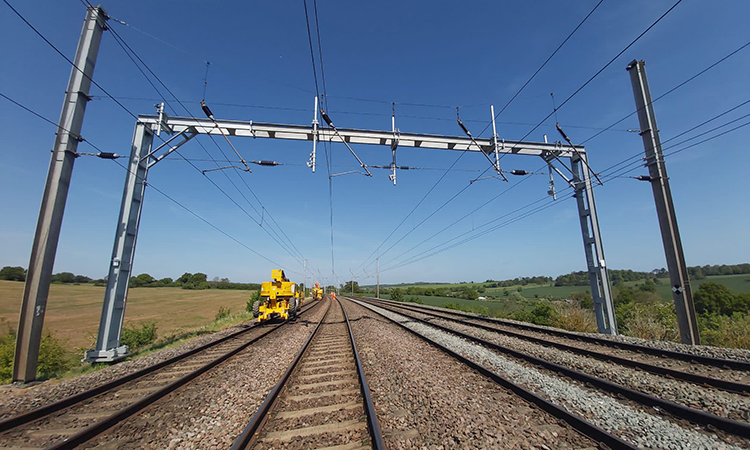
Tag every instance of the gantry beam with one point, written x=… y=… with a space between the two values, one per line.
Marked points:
x=354 y=136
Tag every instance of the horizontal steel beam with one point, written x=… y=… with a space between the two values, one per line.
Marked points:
x=354 y=136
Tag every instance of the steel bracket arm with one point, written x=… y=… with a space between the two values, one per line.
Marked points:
x=186 y=135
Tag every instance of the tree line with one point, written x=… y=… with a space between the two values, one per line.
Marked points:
x=186 y=281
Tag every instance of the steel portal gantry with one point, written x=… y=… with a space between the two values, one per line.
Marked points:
x=183 y=129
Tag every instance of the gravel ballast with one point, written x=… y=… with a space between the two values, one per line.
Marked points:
x=425 y=399
x=642 y=429
x=715 y=401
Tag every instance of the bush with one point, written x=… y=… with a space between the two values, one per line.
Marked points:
x=223 y=312
x=574 y=317
x=253 y=298
x=414 y=299
x=584 y=299
x=7 y=353
x=137 y=338
x=655 y=320
x=396 y=295
x=725 y=331
x=713 y=298
x=54 y=359
x=541 y=314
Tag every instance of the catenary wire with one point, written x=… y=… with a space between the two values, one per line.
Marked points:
x=268 y=231
x=518 y=92
x=70 y=61
x=673 y=89
x=151 y=185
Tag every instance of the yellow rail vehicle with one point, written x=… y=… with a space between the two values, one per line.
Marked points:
x=317 y=292
x=279 y=298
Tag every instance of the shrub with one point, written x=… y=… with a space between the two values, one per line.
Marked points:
x=584 y=299
x=574 y=318
x=414 y=299
x=137 y=338
x=223 y=312
x=725 y=331
x=648 y=320
x=253 y=298
x=7 y=352
x=54 y=358
x=713 y=298
x=396 y=295
x=541 y=314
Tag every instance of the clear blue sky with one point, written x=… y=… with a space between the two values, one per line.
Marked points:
x=443 y=54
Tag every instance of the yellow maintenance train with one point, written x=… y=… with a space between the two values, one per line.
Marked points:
x=279 y=298
x=317 y=292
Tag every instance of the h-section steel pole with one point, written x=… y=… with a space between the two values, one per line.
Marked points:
x=601 y=291
x=108 y=348
x=51 y=212
x=670 y=234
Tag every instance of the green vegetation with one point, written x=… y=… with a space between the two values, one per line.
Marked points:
x=138 y=338
x=13 y=273
x=54 y=357
x=223 y=313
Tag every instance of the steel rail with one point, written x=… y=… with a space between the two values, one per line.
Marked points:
x=578 y=423
x=372 y=420
x=243 y=440
x=96 y=428
x=693 y=415
x=30 y=416
x=706 y=360
x=677 y=374
x=251 y=430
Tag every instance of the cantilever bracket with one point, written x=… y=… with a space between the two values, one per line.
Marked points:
x=548 y=156
x=186 y=135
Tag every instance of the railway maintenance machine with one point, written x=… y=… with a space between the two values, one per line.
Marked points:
x=278 y=298
x=317 y=292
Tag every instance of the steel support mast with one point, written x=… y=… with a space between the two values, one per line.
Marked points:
x=670 y=234
x=142 y=158
x=48 y=226
x=592 y=245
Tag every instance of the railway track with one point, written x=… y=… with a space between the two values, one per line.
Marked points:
x=77 y=419
x=714 y=372
x=718 y=368
x=322 y=401
x=648 y=403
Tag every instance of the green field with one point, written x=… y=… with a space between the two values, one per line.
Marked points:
x=73 y=312
x=736 y=283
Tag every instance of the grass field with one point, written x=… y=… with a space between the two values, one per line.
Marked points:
x=736 y=283
x=73 y=312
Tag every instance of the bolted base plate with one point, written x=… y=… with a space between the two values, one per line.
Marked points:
x=112 y=355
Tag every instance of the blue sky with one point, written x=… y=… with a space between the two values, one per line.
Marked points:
x=428 y=57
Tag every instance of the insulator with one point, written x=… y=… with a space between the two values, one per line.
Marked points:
x=461 y=124
x=643 y=178
x=519 y=172
x=405 y=167
x=108 y=155
x=326 y=118
x=565 y=136
x=266 y=163
x=207 y=110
